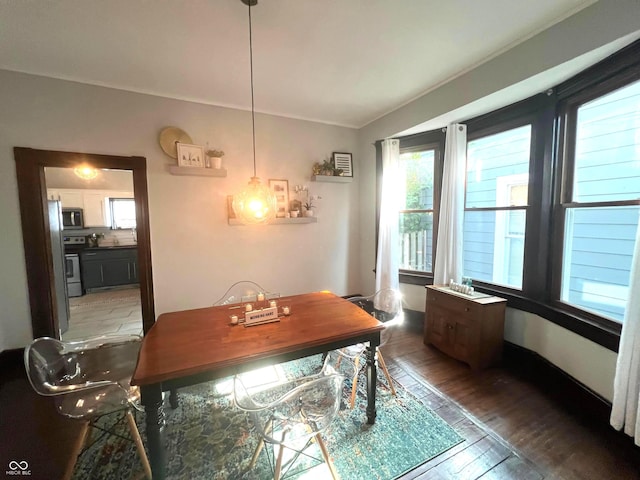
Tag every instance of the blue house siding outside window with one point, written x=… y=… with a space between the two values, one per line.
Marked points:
x=495 y=206
x=600 y=236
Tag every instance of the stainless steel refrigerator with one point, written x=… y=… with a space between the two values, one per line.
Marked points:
x=60 y=276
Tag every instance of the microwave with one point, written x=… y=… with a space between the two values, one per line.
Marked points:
x=72 y=218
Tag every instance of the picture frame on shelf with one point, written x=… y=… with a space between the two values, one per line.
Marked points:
x=231 y=213
x=281 y=190
x=190 y=155
x=344 y=162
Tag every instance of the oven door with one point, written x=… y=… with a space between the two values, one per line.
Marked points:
x=72 y=272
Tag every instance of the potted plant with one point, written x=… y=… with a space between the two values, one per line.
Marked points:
x=215 y=158
x=308 y=209
x=326 y=168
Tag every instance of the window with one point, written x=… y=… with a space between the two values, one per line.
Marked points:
x=123 y=212
x=416 y=217
x=601 y=201
x=552 y=199
x=496 y=199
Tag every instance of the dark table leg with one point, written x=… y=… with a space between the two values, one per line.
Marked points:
x=173 y=398
x=152 y=401
x=371 y=381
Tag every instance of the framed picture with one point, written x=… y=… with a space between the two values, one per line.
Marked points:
x=190 y=155
x=231 y=213
x=281 y=190
x=343 y=162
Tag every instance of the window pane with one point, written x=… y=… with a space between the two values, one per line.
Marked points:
x=416 y=241
x=123 y=213
x=607 y=160
x=491 y=161
x=417 y=170
x=598 y=249
x=493 y=247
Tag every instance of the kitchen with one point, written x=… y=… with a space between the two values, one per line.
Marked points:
x=94 y=245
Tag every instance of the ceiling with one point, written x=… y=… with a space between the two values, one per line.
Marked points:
x=343 y=62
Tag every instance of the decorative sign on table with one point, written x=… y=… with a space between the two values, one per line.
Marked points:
x=257 y=317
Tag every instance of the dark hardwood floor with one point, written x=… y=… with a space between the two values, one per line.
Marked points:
x=512 y=428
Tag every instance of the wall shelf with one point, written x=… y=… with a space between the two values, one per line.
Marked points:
x=330 y=179
x=197 y=171
x=279 y=221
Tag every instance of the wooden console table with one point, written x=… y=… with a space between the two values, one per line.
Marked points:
x=469 y=328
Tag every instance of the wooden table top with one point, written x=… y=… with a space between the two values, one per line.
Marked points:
x=194 y=341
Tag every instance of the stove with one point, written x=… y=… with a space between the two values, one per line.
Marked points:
x=74 y=243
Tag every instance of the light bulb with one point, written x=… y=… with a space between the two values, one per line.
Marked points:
x=255 y=204
x=86 y=172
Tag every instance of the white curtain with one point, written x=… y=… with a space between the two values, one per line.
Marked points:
x=388 y=246
x=448 y=264
x=626 y=386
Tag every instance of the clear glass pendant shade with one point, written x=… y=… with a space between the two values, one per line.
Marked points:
x=255 y=204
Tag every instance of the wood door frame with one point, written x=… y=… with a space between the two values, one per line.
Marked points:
x=32 y=192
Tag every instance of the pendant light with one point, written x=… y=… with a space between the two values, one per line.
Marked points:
x=86 y=172
x=256 y=203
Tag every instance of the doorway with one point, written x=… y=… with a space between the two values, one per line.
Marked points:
x=32 y=190
x=100 y=294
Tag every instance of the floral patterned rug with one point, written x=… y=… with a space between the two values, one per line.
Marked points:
x=208 y=438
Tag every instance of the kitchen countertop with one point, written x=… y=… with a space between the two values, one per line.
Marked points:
x=112 y=247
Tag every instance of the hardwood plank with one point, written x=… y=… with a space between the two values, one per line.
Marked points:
x=512 y=467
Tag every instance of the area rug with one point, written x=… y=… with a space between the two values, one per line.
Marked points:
x=207 y=438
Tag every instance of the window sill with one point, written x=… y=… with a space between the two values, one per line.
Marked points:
x=416 y=278
x=605 y=336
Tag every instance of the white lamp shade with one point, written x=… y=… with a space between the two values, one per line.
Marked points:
x=255 y=204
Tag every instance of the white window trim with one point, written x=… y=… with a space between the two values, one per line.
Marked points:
x=503 y=186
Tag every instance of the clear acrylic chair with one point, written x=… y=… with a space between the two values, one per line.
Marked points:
x=87 y=380
x=293 y=414
x=386 y=306
x=244 y=291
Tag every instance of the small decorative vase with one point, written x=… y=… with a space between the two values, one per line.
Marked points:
x=294 y=213
x=308 y=213
x=217 y=162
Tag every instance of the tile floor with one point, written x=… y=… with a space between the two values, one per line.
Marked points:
x=109 y=312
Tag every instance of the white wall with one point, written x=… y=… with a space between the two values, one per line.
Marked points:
x=195 y=254
x=593 y=28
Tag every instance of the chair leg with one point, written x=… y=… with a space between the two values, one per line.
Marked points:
x=278 y=469
x=354 y=388
x=136 y=438
x=386 y=372
x=260 y=446
x=327 y=459
x=77 y=450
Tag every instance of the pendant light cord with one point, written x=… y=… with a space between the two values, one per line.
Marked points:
x=253 y=115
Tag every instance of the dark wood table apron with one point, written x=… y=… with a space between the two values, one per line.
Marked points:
x=193 y=346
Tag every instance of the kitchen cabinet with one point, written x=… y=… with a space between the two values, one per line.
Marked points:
x=67 y=198
x=469 y=328
x=94 y=210
x=108 y=267
x=94 y=203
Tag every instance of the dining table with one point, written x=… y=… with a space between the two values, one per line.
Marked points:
x=188 y=347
